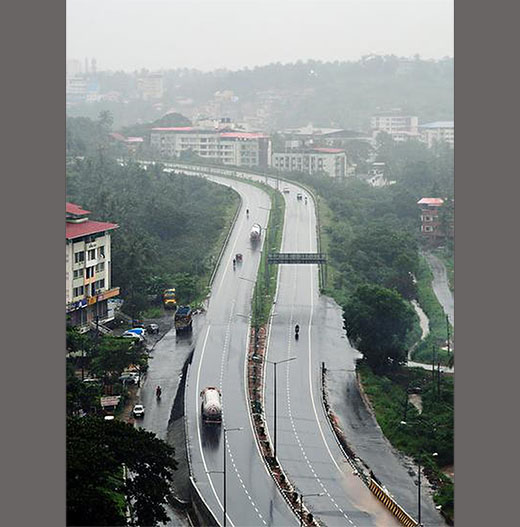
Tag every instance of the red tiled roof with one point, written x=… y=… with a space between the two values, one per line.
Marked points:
x=329 y=150
x=72 y=208
x=76 y=230
x=242 y=135
x=430 y=201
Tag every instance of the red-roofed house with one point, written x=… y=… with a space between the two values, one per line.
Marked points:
x=88 y=268
x=432 y=229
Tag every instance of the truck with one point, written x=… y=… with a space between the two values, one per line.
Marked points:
x=183 y=319
x=211 y=406
x=256 y=231
x=169 y=298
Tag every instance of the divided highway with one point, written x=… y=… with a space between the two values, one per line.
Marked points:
x=307 y=448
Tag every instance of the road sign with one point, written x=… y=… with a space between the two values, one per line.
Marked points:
x=296 y=258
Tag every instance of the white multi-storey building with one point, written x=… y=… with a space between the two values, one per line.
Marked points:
x=399 y=126
x=438 y=131
x=333 y=161
x=88 y=268
x=231 y=148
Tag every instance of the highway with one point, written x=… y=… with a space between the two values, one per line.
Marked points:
x=307 y=448
x=220 y=360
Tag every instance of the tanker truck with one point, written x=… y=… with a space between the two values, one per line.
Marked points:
x=211 y=406
x=255 y=233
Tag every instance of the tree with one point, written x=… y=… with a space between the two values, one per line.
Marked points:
x=98 y=453
x=106 y=120
x=114 y=354
x=377 y=321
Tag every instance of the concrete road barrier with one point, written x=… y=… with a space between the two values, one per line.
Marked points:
x=392 y=505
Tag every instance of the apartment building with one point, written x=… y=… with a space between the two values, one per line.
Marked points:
x=432 y=229
x=401 y=127
x=332 y=161
x=249 y=149
x=438 y=131
x=88 y=268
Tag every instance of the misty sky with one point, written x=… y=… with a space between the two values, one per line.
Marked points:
x=168 y=34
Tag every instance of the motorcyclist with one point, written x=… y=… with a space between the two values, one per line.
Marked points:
x=158 y=391
x=297 y=329
x=247 y=212
x=305 y=200
x=234 y=263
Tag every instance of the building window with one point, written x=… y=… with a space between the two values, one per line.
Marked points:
x=101 y=251
x=78 y=273
x=89 y=272
x=100 y=267
x=78 y=291
x=428 y=228
x=92 y=254
x=100 y=284
x=79 y=257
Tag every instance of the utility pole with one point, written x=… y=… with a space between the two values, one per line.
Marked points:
x=433 y=362
x=275 y=363
x=419 y=492
x=448 y=332
x=439 y=380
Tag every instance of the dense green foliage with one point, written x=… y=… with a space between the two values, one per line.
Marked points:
x=97 y=491
x=377 y=321
x=168 y=120
x=421 y=434
x=169 y=225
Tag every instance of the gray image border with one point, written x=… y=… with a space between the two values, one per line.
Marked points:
x=33 y=382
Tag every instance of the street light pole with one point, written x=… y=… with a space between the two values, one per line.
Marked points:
x=301 y=503
x=275 y=363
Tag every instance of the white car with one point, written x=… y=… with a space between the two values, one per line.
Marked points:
x=132 y=335
x=138 y=410
x=286 y=190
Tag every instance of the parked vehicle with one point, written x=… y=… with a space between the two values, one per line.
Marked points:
x=137 y=331
x=129 y=377
x=152 y=328
x=132 y=335
x=138 y=410
x=211 y=406
x=183 y=319
x=256 y=231
x=169 y=298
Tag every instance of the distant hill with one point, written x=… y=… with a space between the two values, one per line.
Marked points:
x=327 y=94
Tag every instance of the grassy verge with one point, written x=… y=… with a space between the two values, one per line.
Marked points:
x=419 y=435
x=437 y=319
